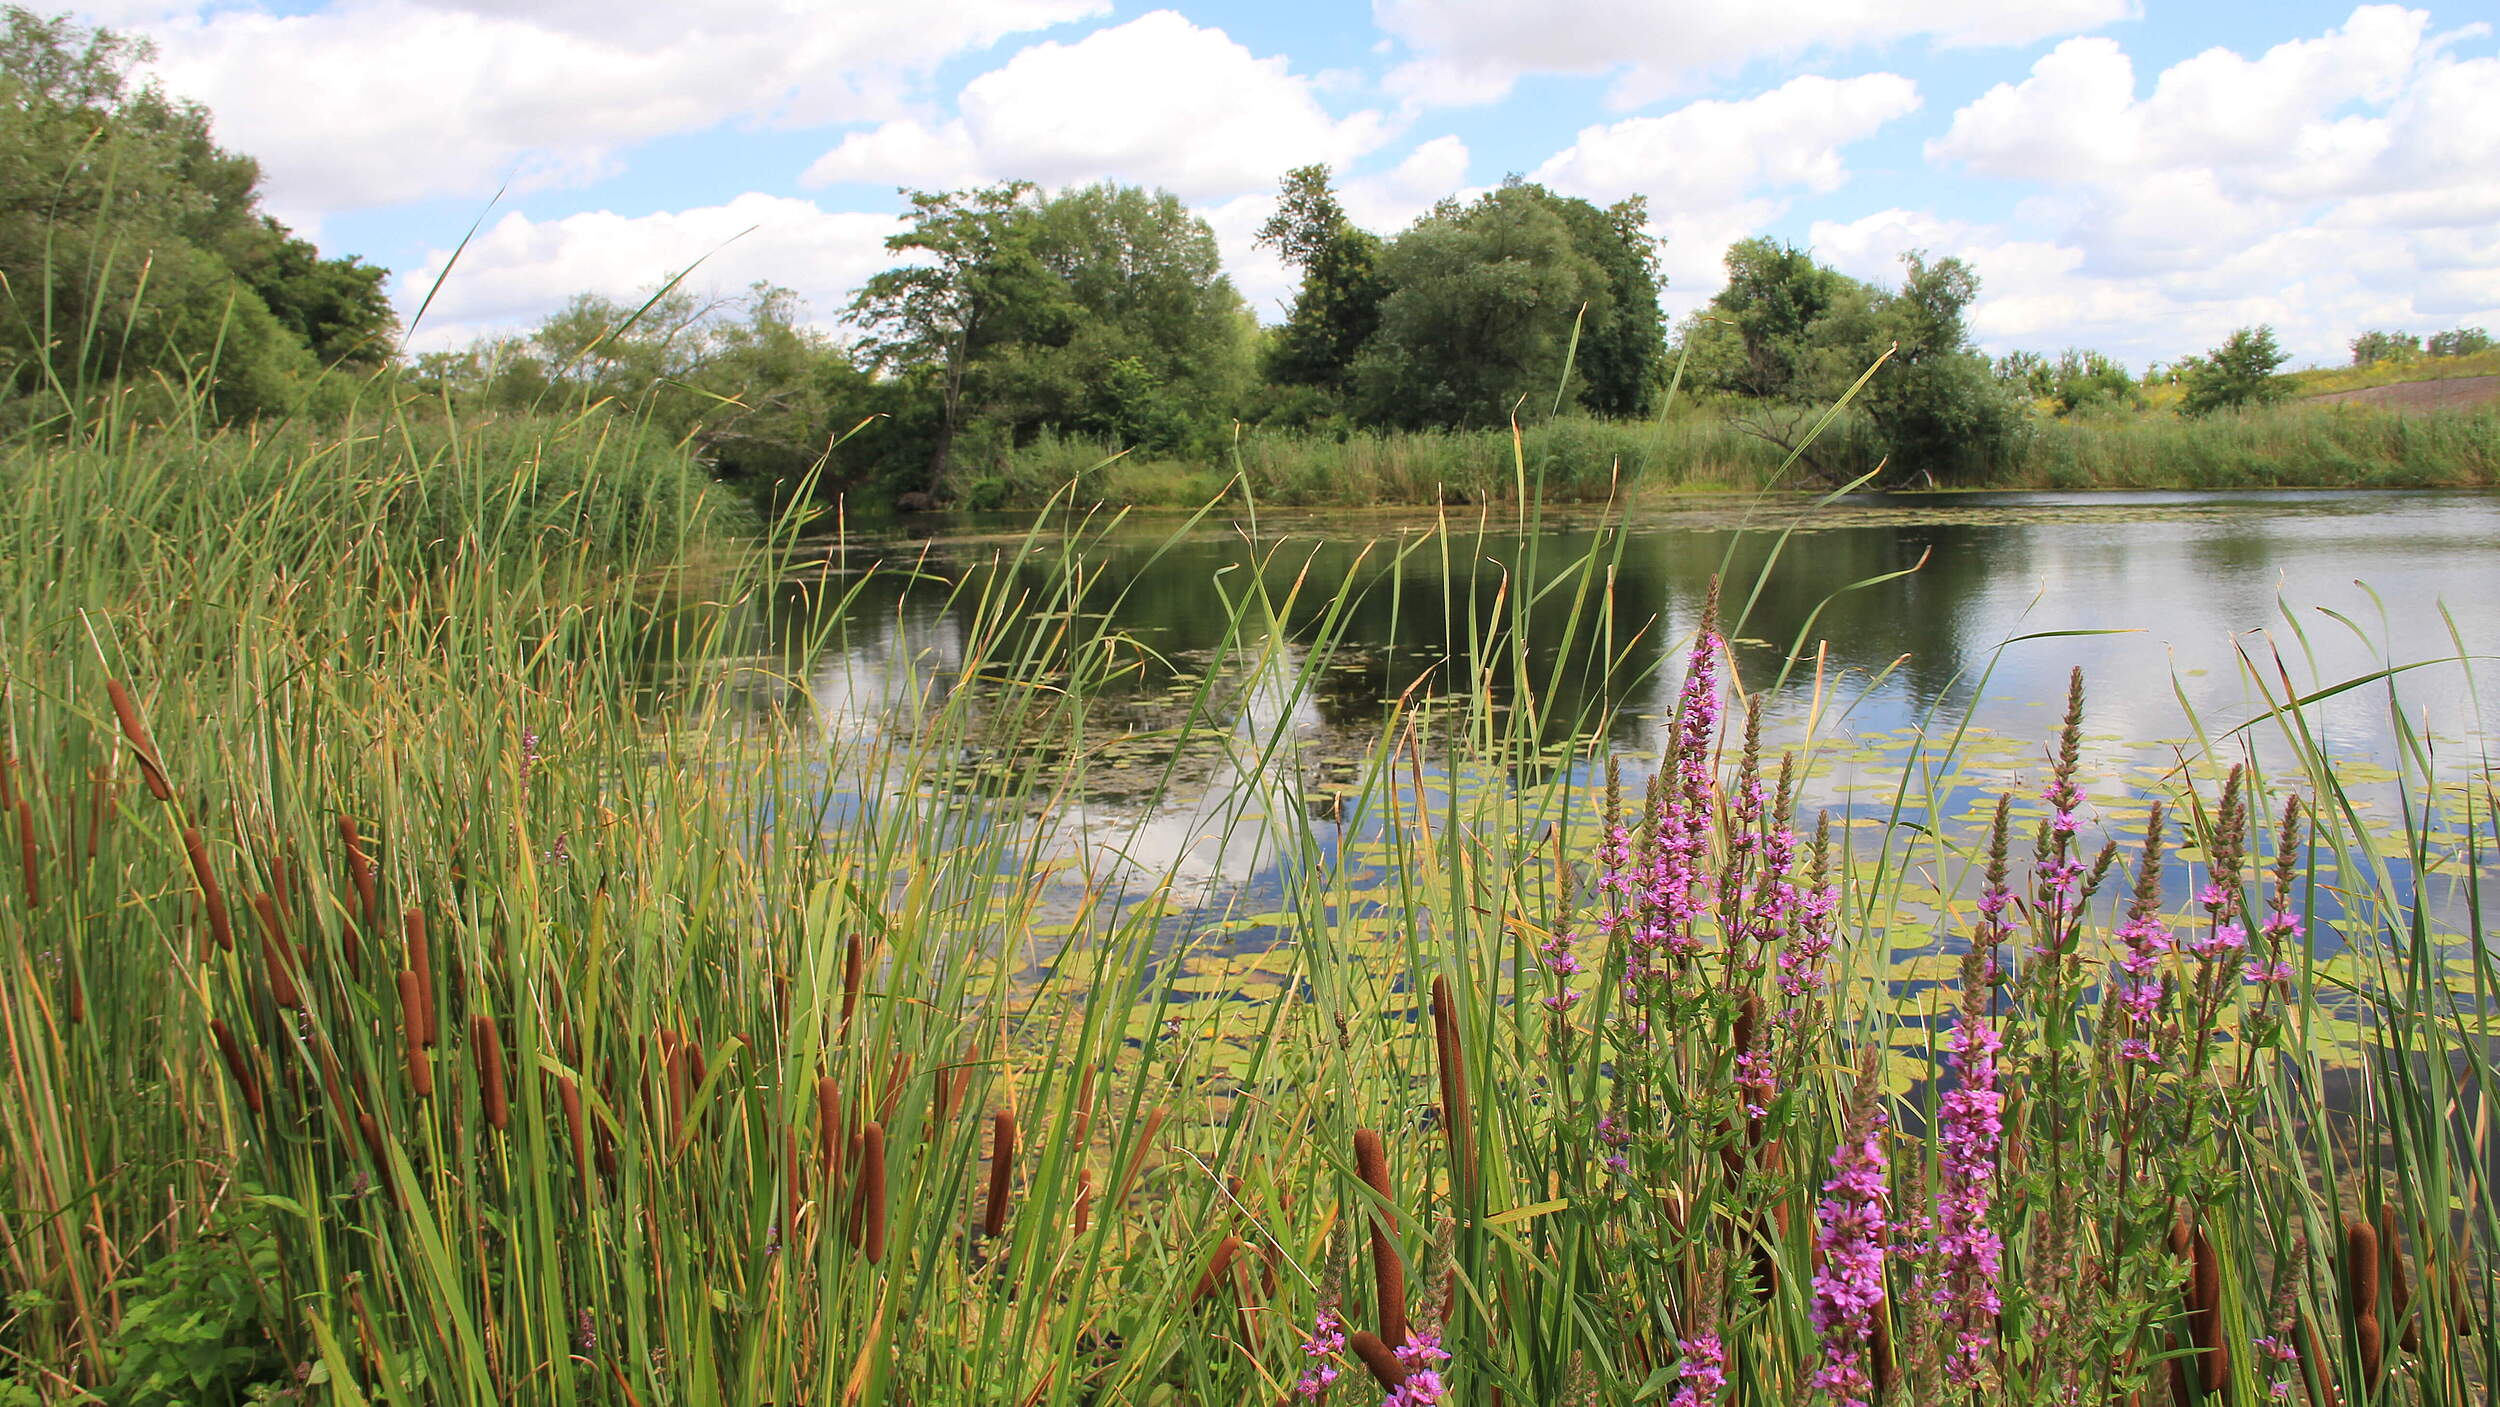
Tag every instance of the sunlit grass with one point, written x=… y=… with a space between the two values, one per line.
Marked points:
x=833 y=1067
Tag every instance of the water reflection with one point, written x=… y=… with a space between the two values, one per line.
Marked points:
x=1903 y=607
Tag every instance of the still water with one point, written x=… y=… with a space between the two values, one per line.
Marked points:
x=1897 y=619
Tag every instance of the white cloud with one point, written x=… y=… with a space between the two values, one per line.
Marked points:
x=1473 y=51
x=1157 y=101
x=518 y=270
x=1714 y=152
x=2326 y=185
x=377 y=102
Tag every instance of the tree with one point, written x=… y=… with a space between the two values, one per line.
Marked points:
x=1338 y=305
x=1935 y=409
x=2464 y=342
x=1483 y=303
x=1775 y=318
x=2083 y=379
x=2239 y=373
x=2371 y=348
x=133 y=244
x=979 y=278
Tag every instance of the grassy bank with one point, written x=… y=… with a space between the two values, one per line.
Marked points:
x=1709 y=449
x=392 y=1013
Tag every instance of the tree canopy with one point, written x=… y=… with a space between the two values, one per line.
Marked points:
x=133 y=245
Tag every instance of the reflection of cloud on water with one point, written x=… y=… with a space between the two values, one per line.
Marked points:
x=1231 y=821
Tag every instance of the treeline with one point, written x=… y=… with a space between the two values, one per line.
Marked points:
x=134 y=253
x=1023 y=336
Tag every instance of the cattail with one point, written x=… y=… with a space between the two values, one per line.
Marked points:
x=372 y=1133
x=1377 y=1356
x=26 y=853
x=675 y=1089
x=276 y=954
x=1002 y=1171
x=871 y=1240
x=1219 y=1266
x=1084 y=1199
x=1137 y=1156
x=1457 y=1111
x=76 y=997
x=2399 y=1283
x=414 y=1017
x=2313 y=1353
x=569 y=1098
x=1371 y=1164
x=150 y=768
x=897 y=1075
x=1084 y=1106
x=828 y=1128
x=100 y=807
x=227 y=1047
x=2205 y=1313
x=360 y=875
x=421 y=965
x=2361 y=1277
x=8 y=769
x=854 y=961
x=486 y=1052
x=212 y=899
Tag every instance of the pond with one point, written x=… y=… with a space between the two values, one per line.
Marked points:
x=1880 y=627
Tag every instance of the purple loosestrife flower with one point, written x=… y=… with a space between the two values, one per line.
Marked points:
x=1679 y=882
x=1702 y=1373
x=1757 y=1081
x=1423 y=1383
x=1969 y=1254
x=2283 y=1362
x=1849 y=1230
x=1327 y=1340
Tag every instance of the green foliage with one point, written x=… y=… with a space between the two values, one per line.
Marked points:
x=1934 y=409
x=1103 y=310
x=2371 y=348
x=2084 y=380
x=1337 y=307
x=1772 y=333
x=195 y=1323
x=2462 y=342
x=2241 y=372
x=134 y=247
x=1484 y=303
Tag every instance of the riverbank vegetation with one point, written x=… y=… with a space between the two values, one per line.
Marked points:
x=469 y=974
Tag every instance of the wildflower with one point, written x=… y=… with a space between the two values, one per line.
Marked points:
x=1969 y=1253
x=1327 y=1340
x=1702 y=1373
x=1757 y=1080
x=1850 y=1225
x=2285 y=1364
x=1423 y=1383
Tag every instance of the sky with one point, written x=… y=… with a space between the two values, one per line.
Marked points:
x=2136 y=176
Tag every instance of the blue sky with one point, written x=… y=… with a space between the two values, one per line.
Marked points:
x=2131 y=175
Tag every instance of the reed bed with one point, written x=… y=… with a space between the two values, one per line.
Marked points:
x=596 y=1028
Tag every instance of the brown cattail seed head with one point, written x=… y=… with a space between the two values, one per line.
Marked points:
x=276 y=954
x=1219 y=1265
x=135 y=729
x=486 y=1051
x=2399 y=1282
x=1002 y=1172
x=2361 y=1292
x=2205 y=1314
x=872 y=1192
x=232 y=1051
x=26 y=856
x=212 y=898
x=421 y=965
x=1371 y=1164
x=413 y=1001
x=1377 y=1356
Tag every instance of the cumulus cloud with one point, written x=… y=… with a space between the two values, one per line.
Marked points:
x=1157 y=101
x=1473 y=51
x=1718 y=171
x=1714 y=152
x=377 y=102
x=2326 y=185
x=518 y=270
